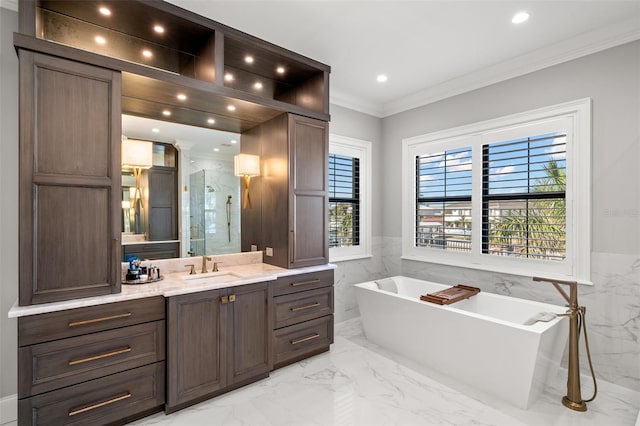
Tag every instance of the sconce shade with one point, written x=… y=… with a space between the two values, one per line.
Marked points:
x=246 y=165
x=137 y=153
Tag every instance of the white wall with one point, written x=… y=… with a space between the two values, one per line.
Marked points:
x=8 y=200
x=357 y=125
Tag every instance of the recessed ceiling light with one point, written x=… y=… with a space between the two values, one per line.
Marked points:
x=155 y=130
x=105 y=11
x=231 y=108
x=234 y=141
x=100 y=40
x=147 y=53
x=381 y=78
x=216 y=149
x=280 y=70
x=257 y=85
x=520 y=17
x=211 y=121
x=158 y=28
x=228 y=77
x=166 y=113
x=181 y=96
x=248 y=59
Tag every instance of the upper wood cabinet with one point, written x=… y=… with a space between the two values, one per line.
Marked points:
x=291 y=209
x=69 y=179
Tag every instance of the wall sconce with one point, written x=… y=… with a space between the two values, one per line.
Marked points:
x=247 y=166
x=137 y=155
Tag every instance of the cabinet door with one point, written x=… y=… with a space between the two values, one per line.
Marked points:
x=308 y=215
x=249 y=341
x=197 y=353
x=163 y=204
x=69 y=179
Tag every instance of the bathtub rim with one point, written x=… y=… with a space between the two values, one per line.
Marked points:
x=538 y=327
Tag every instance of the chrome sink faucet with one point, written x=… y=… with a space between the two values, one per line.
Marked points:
x=204 y=264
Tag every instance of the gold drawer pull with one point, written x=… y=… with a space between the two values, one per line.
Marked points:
x=304 y=339
x=91 y=321
x=317 y=280
x=99 y=404
x=104 y=355
x=302 y=308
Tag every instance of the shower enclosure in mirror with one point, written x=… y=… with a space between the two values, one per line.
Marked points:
x=214 y=210
x=191 y=183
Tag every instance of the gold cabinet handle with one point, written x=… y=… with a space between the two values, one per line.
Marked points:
x=96 y=357
x=304 y=339
x=99 y=404
x=228 y=299
x=302 y=308
x=317 y=280
x=91 y=321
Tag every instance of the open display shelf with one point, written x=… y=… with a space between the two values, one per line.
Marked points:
x=164 y=50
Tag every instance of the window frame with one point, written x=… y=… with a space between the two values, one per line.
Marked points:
x=342 y=145
x=577 y=116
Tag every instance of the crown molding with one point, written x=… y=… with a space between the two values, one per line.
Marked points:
x=582 y=45
x=346 y=100
x=9 y=4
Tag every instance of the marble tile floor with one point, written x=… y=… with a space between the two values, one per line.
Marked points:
x=358 y=383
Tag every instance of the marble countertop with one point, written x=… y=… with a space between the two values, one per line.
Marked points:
x=174 y=284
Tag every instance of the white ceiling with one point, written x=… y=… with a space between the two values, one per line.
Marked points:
x=428 y=49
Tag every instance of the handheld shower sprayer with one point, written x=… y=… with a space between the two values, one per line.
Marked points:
x=576 y=314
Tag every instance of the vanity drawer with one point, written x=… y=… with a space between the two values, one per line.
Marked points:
x=297 y=307
x=99 y=401
x=74 y=322
x=302 y=340
x=52 y=365
x=303 y=282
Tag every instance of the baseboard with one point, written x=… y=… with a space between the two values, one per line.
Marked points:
x=8 y=409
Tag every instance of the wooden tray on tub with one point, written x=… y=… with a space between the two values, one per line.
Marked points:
x=451 y=295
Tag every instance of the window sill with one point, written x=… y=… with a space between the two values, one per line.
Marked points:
x=334 y=259
x=502 y=270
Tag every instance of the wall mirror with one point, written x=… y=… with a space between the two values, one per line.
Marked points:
x=187 y=201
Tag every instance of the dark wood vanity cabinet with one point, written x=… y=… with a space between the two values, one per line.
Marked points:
x=94 y=365
x=69 y=179
x=302 y=314
x=293 y=210
x=217 y=340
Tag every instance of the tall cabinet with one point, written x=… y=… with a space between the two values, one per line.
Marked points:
x=292 y=209
x=70 y=179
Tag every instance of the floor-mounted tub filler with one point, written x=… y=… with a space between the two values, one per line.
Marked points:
x=503 y=346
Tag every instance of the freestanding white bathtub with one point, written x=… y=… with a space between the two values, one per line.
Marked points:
x=479 y=342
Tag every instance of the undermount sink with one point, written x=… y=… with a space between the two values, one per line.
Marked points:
x=212 y=277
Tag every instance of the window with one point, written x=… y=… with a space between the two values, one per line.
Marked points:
x=509 y=195
x=344 y=201
x=443 y=200
x=349 y=198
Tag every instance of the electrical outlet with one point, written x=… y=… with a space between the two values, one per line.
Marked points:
x=269 y=251
x=254 y=247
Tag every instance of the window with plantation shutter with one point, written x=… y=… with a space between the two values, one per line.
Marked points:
x=349 y=166
x=443 y=200
x=523 y=204
x=344 y=201
x=510 y=195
